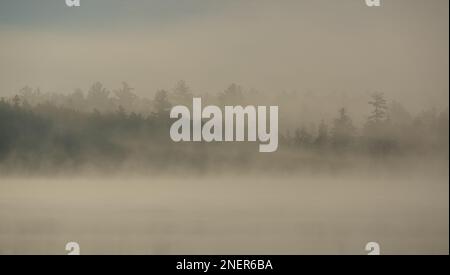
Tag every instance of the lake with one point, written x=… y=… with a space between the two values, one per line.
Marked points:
x=227 y=215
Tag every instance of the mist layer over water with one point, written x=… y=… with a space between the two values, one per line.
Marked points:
x=227 y=215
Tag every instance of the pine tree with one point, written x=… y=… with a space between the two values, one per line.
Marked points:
x=322 y=136
x=380 y=108
x=343 y=130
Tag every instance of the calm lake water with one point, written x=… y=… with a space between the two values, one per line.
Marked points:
x=224 y=216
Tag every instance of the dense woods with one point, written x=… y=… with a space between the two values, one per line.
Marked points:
x=106 y=130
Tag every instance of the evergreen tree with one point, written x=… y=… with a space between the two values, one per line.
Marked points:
x=322 y=136
x=161 y=104
x=379 y=108
x=343 y=130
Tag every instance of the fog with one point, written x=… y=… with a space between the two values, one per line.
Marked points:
x=363 y=141
x=317 y=46
x=241 y=215
x=114 y=182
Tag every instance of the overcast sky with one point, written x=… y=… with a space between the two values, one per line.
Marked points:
x=283 y=45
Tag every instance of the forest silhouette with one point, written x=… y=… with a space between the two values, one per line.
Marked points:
x=103 y=130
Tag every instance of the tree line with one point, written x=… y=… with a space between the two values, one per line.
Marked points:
x=110 y=128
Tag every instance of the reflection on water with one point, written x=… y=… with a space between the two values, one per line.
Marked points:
x=223 y=216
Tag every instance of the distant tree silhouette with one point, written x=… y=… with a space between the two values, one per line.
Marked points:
x=98 y=96
x=322 y=136
x=379 y=108
x=76 y=100
x=343 y=131
x=16 y=101
x=182 y=94
x=232 y=95
x=378 y=117
x=161 y=104
x=303 y=138
x=378 y=131
x=126 y=98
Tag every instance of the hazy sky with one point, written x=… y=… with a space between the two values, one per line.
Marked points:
x=272 y=45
